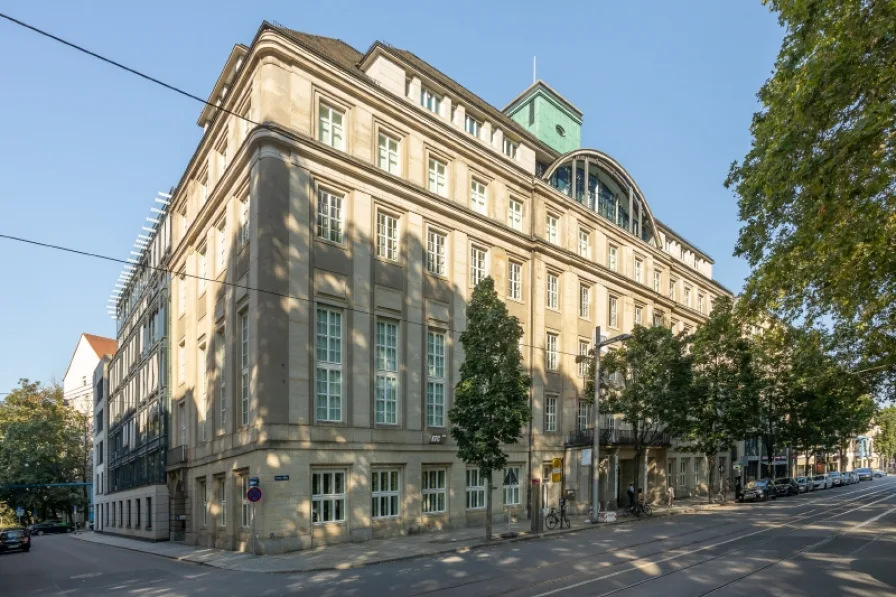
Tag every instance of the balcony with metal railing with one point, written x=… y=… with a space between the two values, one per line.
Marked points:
x=614 y=437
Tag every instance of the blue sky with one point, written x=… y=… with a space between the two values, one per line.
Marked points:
x=667 y=88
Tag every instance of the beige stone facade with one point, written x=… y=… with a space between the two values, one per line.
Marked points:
x=323 y=255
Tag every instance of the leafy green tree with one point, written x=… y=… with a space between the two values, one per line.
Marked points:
x=645 y=379
x=723 y=401
x=491 y=400
x=886 y=439
x=816 y=191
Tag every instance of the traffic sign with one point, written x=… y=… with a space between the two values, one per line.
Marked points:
x=253 y=481
x=254 y=494
x=557 y=463
x=20 y=512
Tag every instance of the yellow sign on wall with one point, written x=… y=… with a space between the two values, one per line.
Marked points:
x=557 y=463
x=556 y=477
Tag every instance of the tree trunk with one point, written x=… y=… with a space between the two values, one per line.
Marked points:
x=488 y=506
x=711 y=460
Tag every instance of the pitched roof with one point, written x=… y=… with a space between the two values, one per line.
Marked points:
x=101 y=345
x=330 y=48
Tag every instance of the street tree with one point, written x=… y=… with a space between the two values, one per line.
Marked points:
x=886 y=438
x=645 y=378
x=815 y=191
x=722 y=404
x=491 y=400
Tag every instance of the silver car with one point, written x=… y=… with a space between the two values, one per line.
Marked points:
x=805 y=483
x=821 y=481
x=834 y=476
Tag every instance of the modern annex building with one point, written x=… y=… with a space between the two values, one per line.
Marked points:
x=326 y=236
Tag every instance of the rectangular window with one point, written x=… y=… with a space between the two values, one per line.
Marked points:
x=429 y=100
x=671 y=288
x=613 y=313
x=584 y=347
x=386 y=236
x=552 y=229
x=584 y=244
x=477 y=198
x=515 y=280
x=583 y=415
x=700 y=303
x=437 y=178
x=244 y=367
x=202 y=267
x=435 y=491
x=329 y=365
x=221 y=351
x=330 y=127
x=223 y=155
x=683 y=254
x=668 y=245
x=386 y=373
x=639 y=315
x=137 y=519
x=222 y=246
x=552 y=356
x=682 y=473
x=435 y=383
x=203 y=489
x=472 y=126
x=553 y=287
x=245 y=512
x=475 y=489
x=202 y=419
x=657 y=277
x=435 y=252
x=510 y=148
x=515 y=215
x=386 y=494
x=182 y=423
x=244 y=220
x=478 y=270
x=585 y=301
x=639 y=271
x=329 y=217
x=550 y=414
x=388 y=154
x=222 y=487
x=181 y=293
x=687 y=297
x=512 y=486
x=328 y=497
x=182 y=362
x=129 y=513
x=611 y=258
x=657 y=318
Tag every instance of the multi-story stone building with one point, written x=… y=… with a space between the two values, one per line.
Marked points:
x=327 y=234
x=133 y=500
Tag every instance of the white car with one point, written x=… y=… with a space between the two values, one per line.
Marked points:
x=821 y=482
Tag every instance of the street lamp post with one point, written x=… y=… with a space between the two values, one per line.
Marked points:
x=595 y=441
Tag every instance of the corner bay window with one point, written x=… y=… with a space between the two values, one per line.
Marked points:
x=328 y=497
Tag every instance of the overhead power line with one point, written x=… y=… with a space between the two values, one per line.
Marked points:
x=224 y=282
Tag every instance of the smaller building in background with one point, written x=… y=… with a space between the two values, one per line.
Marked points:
x=100 y=446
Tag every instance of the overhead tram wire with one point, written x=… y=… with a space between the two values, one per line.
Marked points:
x=224 y=283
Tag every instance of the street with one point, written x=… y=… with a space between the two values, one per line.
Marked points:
x=839 y=541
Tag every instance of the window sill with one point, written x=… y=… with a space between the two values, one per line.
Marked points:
x=437 y=276
x=516 y=300
x=329 y=522
x=382 y=259
x=326 y=241
x=554 y=309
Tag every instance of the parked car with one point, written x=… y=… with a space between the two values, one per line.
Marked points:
x=865 y=474
x=759 y=491
x=821 y=481
x=805 y=484
x=846 y=478
x=854 y=476
x=13 y=539
x=787 y=486
x=836 y=481
x=878 y=473
x=50 y=526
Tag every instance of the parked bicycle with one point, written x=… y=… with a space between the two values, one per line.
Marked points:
x=721 y=498
x=557 y=518
x=638 y=509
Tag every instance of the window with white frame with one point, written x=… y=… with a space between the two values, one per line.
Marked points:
x=385 y=493
x=639 y=271
x=515 y=215
x=478 y=271
x=222 y=246
x=512 y=486
x=584 y=301
x=584 y=243
x=552 y=226
x=510 y=148
x=430 y=100
x=202 y=419
x=330 y=128
x=472 y=126
x=245 y=512
x=438 y=180
x=514 y=280
x=552 y=356
x=584 y=347
x=672 y=288
x=386 y=406
x=687 y=297
x=475 y=489
x=387 y=157
x=222 y=497
x=657 y=318
x=668 y=245
x=639 y=315
x=550 y=414
x=435 y=252
x=386 y=236
x=477 y=197
x=202 y=267
x=435 y=491
x=327 y=496
x=657 y=280
x=611 y=258
x=220 y=355
x=613 y=312
x=435 y=379
x=203 y=489
x=329 y=216
x=700 y=303
x=683 y=253
x=328 y=401
x=182 y=293
x=583 y=415
x=244 y=367
x=244 y=220
x=182 y=362
x=553 y=288
x=223 y=156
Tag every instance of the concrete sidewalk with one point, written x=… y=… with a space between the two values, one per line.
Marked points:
x=344 y=556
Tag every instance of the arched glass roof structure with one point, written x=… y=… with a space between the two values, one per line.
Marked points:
x=597 y=181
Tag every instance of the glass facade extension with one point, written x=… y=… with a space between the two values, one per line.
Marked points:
x=586 y=183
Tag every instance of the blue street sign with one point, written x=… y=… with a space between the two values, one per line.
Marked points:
x=254 y=494
x=281 y=477
x=253 y=481
x=20 y=512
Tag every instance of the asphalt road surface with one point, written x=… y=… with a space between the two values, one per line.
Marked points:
x=834 y=542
